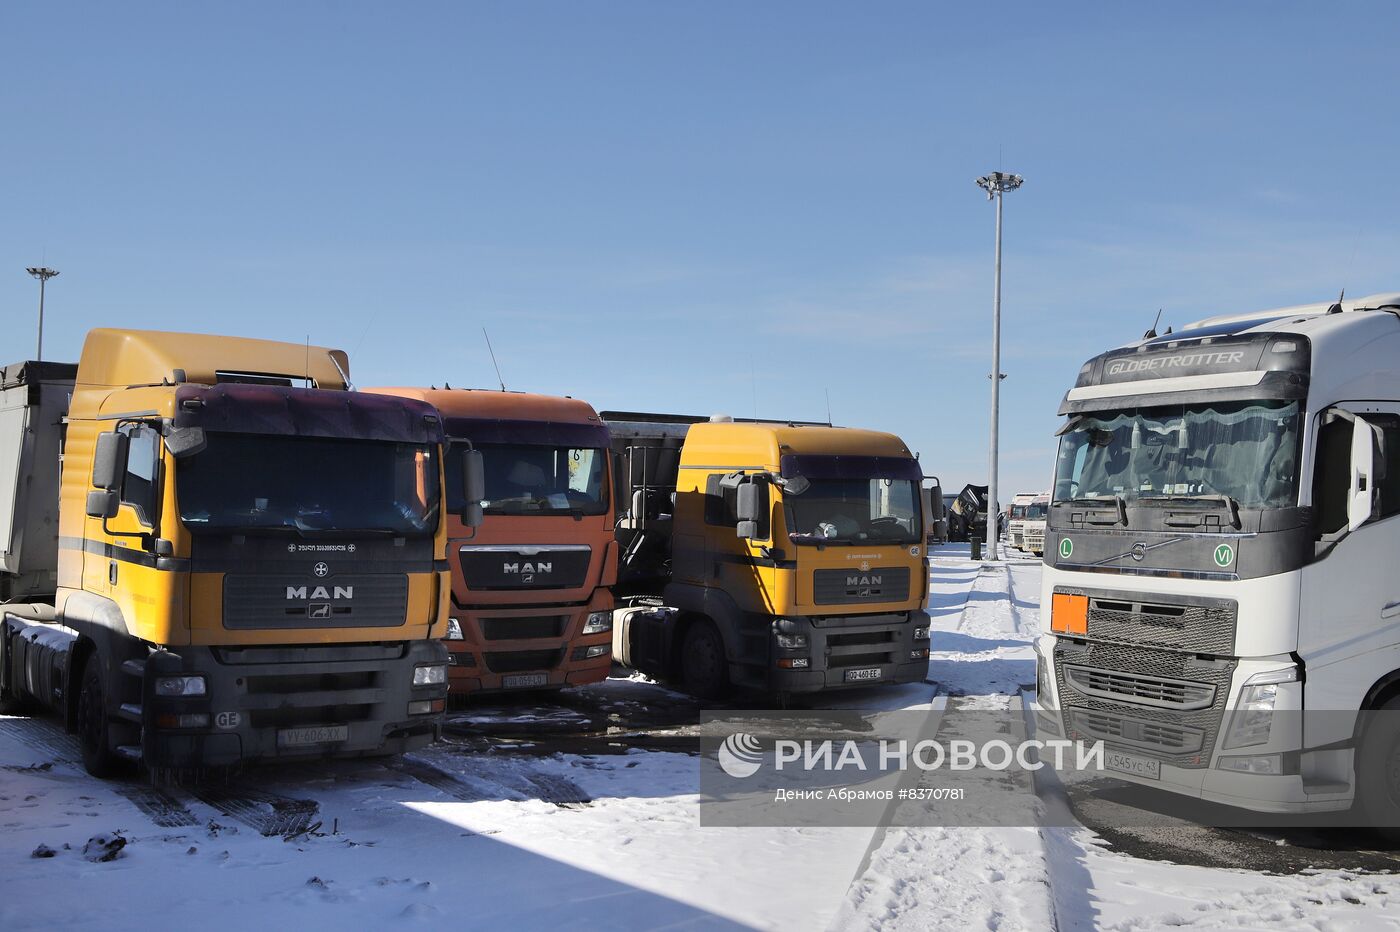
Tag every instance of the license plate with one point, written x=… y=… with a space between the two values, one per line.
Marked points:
x=863 y=674
x=525 y=680
x=1132 y=764
x=317 y=734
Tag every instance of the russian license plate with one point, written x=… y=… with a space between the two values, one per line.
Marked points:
x=863 y=674
x=1132 y=764
x=525 y=680
x=316 y=734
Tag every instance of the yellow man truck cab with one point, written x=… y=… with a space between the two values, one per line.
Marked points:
x=779 y=557
x=244 y=558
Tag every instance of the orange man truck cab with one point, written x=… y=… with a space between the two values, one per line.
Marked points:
x=233 y=567
x=531 y=607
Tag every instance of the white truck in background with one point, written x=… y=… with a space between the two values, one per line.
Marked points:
x=1222 y=544
x=1033 y=524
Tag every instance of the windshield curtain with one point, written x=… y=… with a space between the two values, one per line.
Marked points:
x=261 y=482
x=884 y=511
x=535 y=479
x=1245 y=450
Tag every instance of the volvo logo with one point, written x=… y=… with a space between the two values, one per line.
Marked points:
x=1139 y=551
x=321 y=570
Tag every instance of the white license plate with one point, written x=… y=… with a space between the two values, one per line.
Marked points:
x=1132 y=764
x=863 y=674
x=525 y=680
x=317 y=734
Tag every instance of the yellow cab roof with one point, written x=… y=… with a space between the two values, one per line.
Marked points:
x=117 y=358
x=723 y=443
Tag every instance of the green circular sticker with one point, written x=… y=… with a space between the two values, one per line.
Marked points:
x=1066 y=548
x=1224 y=555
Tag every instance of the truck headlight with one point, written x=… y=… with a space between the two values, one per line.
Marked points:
x=454 y=630
x=791 y=641
x=1253 y=714
x=921 y=633
x=430 y=674
x=597 y=623
x=181 y=686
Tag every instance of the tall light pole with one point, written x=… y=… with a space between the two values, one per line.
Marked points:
x=43 y=274
x=996 y=185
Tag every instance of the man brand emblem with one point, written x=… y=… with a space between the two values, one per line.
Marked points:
x=864 y=565
x=516 y=568
x=321 y=569
x=318 y=610
x=863 y=581
x=303 y=593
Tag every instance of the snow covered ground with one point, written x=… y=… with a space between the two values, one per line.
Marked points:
x=594 y=823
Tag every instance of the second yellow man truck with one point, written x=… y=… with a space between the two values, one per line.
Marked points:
x=777 y=557
x=215 y=552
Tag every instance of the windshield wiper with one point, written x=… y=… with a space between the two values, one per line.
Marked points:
x=1120 y=512
x=1227 y=502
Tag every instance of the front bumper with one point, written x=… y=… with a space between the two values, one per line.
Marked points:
x=876 y=651
x=257 y=697
x=493 y=657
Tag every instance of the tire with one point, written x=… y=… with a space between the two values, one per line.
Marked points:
x=94 y=729
x=704 y=668
x=1378 y=770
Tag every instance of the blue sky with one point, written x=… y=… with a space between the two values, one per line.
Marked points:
x=717 y=207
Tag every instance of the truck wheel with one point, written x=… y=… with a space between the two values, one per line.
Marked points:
x=1378 y=770
x=93 y=731
x=704 y=669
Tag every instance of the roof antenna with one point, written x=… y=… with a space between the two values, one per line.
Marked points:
x=308 y=360
x=1337 y=308
x=1152 y=331
x=493 y=358
x=828 y=407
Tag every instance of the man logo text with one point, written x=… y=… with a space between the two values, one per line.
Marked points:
x=863 y=580
x=320 y=592
x=541 y=567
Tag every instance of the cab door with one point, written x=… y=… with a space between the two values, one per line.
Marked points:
x=1349 y=625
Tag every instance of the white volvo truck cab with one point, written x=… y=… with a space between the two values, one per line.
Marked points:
x=1223 y=554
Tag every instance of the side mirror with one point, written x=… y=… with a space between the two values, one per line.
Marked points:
x=473 y=487
x=1365 y=441
x=185 y=441
x=102 y=503
x=751 y=507
x=109 y=461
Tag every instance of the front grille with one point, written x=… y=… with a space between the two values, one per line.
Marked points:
x=858 y=660
x=532 y=626
x=865 y=637
x=518 y=661
x=1140 y=690
x=881 y=584
x=1035 y=539
x=1158 y=737
x=1138 y=668
x=310 y=682
x=560 y=567
x=287 y=700
x=1186 y=623
x=349 y=601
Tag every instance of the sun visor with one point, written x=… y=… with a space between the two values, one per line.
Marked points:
x=306 y=412
x=539 y=433
x=850 y=467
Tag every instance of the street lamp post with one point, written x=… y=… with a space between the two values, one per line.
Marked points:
x=43 y=274
x=996 y=185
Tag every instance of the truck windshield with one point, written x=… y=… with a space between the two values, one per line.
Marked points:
x=1246 y=451
x=1035 y=512
x=854 y=511
x=532 y=479
x=265 y=483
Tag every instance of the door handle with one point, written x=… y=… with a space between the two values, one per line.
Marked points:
x=1391 y=610
x=112 y=573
